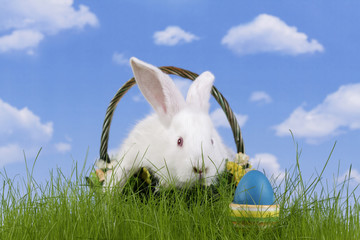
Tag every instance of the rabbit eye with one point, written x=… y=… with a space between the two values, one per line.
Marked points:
x=180 y=141
x=212 y=142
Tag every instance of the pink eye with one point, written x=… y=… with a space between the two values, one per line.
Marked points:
x=180 y=142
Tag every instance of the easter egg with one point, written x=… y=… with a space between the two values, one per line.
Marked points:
x=254 y=202
x=260 y=215
x=254 y=189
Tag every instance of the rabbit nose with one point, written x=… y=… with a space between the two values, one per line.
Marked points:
x=200 y=171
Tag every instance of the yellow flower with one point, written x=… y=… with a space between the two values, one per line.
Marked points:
x=239 y=167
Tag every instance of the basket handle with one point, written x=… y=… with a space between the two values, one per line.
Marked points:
x=174 y=71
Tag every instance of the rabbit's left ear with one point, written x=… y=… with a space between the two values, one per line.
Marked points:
x=158 y=89
x=200 y=90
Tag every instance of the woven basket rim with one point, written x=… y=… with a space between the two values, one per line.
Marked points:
x=173 y=71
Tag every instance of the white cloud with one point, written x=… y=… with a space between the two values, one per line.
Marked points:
x=172 y=36
x=20 y=40
x=261 y=97
x=63 y=147
x=219 y=119
x=120 y=59
x=10 y=153
x=23 y=24
x=268 y=163
x=339 y=111
x=21 y=129
x=268 y=33
x=354 y=177
x=138 y=98
x=15 y=152
x=14 y=121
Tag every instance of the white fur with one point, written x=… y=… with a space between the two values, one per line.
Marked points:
x=153 y=141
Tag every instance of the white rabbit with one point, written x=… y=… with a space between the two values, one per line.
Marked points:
x=178 y=142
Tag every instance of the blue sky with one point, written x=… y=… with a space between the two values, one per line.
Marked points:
x=281 y=64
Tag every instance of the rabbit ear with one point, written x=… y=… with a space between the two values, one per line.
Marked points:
x=200 y=90
x=158 y=89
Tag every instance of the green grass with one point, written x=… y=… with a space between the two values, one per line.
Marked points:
x=64 y=208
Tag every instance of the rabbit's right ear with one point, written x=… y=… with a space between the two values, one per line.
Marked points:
x=200 y=91
x=158 y=89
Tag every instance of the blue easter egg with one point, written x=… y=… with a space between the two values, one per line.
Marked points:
x=254 y=189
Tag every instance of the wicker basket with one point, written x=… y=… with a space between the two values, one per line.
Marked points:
x=179 y=72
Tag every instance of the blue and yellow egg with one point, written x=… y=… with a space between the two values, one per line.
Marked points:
x=254 y=201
